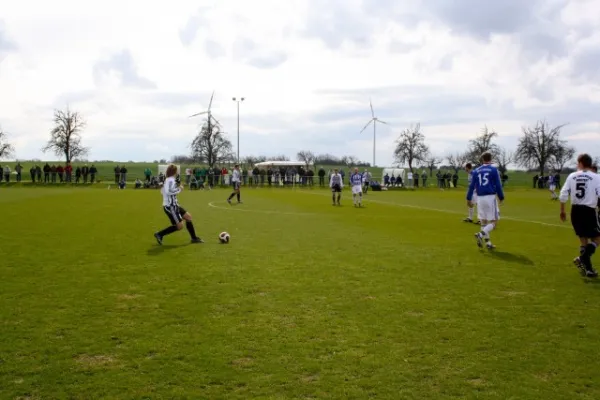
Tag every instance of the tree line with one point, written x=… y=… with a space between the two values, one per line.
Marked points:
x=539 y=148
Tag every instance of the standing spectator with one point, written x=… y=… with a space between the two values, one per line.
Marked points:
x=416 y=178
x=188 y=176
x=69 y=172
x=424 y=178
x=262 y=174
x=343 y=174
x=269 y=176
x=556 y=179
x=311 y=177
x=455 y=179
x=32 y=173
x=117 y=174
x=256 y=174
x=47 y=169
x=217 y=175
x=245 y=175
x=6 y=173
x=123 y=174
x=211 y=177
x=535 y=180
x=147 y=174
x=321 y=176
x=85 y=172
x=93 y=172
x=77 y=174
x=224 y=173
x=38 y=173
x=53 y=173
x=60 y=172
x=18 y=169
x=410 y=179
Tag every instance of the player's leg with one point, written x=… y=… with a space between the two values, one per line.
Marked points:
x=237 y=193
x=176 y=219
x=360 y=194
x=339 y=195
x=189 y=225
x=233 y=193
x=333 y=195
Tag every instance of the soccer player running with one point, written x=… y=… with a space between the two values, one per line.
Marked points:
x=486 y=181
x=236 y=181
x=174 y=211
x=583 y=187
x=366 y=180
x=336 y=184
x=552 y=187
x=469 y=170
x=356 y=180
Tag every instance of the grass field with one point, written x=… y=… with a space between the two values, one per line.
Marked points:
x=393 y=301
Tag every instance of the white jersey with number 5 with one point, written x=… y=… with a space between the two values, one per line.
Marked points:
x=583 y=187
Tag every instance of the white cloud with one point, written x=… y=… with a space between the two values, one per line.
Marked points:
x=307 y=68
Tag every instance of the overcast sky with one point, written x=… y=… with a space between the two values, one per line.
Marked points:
x=307 y=68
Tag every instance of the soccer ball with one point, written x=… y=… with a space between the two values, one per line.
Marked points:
x=224 y=237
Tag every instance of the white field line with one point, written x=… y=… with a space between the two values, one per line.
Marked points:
x=502 y=217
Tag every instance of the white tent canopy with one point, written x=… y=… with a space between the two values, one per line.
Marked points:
x=280 y=164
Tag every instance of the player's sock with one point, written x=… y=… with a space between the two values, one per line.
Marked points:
x=360 y=198
x=470 y=212
x=333 y=197
x=190 y=227
x=487 y=229
x=167 y=231
x=339 y=197
x=238 y=197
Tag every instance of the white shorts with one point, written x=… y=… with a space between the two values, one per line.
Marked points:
x=356 y=189
x=552 y=187
x=487 y=208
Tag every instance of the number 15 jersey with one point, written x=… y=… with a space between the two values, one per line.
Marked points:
x=485 y=181
x=583 y=187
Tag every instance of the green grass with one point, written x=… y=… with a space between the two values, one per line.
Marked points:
x=393 y=301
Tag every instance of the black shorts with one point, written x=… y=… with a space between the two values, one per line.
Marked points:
x=175 y=213
x=336 y=189
x=585 y=221
x=236 y=185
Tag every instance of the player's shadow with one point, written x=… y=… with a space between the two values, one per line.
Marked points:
x=509 y=257
x=157 y=249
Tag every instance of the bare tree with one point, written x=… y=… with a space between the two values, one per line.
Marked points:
x=280 y=157
x=503 y=159
x=349 y=161
x=65 y=137
x=307 y=157
x=457 y=161
x=538 y=145
x=6 y=149
x=431 y=162
x=251 y=161
x=411 y=146
x=328 y=159
x=481 y=144
x=562 y=157
x=211 y=146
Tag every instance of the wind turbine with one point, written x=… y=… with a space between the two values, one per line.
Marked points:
x=373 y=120
x=210 y=116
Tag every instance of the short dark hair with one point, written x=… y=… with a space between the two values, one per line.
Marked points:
x=595 y=168
x=469 y=166
x=486 y=157
x=585 y=160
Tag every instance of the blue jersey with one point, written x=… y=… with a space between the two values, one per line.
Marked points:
x=356 y=179
x=486 y=181
x=551 y=179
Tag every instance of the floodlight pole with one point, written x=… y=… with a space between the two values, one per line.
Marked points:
x=238 y=125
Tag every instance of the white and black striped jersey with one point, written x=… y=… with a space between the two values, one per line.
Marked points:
x=336 y=179
x=583 y=187
x=170 y=190
x=235 y=177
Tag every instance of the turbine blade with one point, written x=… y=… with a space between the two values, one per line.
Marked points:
x=211 y=99
x=368 y=123
x=214 y=119
x=383 y=122
x=200 y=113
x=372 y=112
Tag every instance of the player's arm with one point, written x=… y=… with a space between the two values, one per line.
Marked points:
x=331 y=181
x=471 y=188
x=499 y=189
x=565 y=192
x=172 y=189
